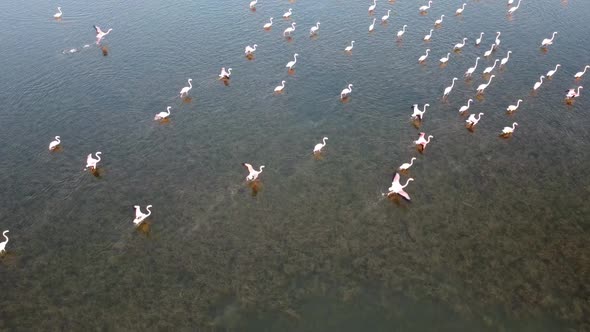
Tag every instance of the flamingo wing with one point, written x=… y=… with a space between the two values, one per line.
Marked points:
x=249 y=167
x=404 y=194
x=395 y=177
x=98 y=30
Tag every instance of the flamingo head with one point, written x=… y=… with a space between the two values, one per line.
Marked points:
x=422 y=134
x=190 y=79
x=168 y=108
x=57 y=137
x=283 y=82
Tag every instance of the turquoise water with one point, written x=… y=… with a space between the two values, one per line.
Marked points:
x=495 y=238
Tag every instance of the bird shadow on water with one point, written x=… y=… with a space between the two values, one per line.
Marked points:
x=225 y=81
x=97 y=172
x=8 y=258
x=255 y=186
x=398 y=201
x=144 y=228
x=417 y=123
x=291 y=72
x=187 y=100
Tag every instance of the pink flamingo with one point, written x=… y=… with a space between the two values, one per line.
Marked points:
x=422 y=141
x=572 y=93
x=397 y=188
x=100 y=34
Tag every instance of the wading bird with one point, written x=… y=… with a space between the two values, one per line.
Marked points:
x=54 y=144
x=397 y=188
x=163 y=115
x=253 y=174
x=344 y=94
x=318 y=147
x=91 y=162
x=140 y=216
x=464 y=108
x=184 y=91
x=405 y=166
x=513 y=108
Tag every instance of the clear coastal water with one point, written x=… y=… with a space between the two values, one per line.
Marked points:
x=496 y=236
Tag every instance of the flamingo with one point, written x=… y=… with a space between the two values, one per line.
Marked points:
x=289 y=29
x=444 y=60
x=552 y=72
x=405 y=166
x=318 y=147
x=488 y=53
x=53 y=145
x=428 y=36
x=372 y=26
x=572 y=93
x=425 y=8
x=489 y=69
x=581 y=73
x=385 y=17
x=314 y=29
x=513 y=9
x=346 y=91
x=509 y=130
x=349 y=48
x=140 y=216
x=184 y=91
x=3 y=244
x=59 y=14
x=538 y=84
x=460 y=45
x=546 y=42
x=478 y=40
x=497 y=41
x=513 y=108
x=253 y=4
x=439 y=21
x=280 y=88
x=397 y=188
x=402 y=31
x=460 y=10
x=422 y=142
x=163 y=115
x=100 y=34
x=250 y=49
x=268 y=25
x=422 y=58
x=471 y=69
x=372 y=7
x=253 y=173
x=290 y=64
x=418 y=114
x=472 y=120
x=505 y=60
x=482 y=87
x=510 y=2
x=288 y=13
x=225 y=75
x=91 y=162
x=464 y=108
x=449 y=88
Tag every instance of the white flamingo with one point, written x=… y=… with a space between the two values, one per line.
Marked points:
x=184 y=91
x=439 y=21
x=546 y=42
x=268 y=25
x=478 y=40
x=422 y=142
x=428 y=36
x=510 y=2
x=488 y=53
x=91 y=162
x=3 y=244
x=513 y=9
x=100 y=34
x=346 y=91
x=572 y=93
x=140 y=216
x=225 y=74
x=250 y=49
x=280 y=87
x=422 y=58
x=288 y=13
x=425 y=8
x=489 y=69
x=289 y=29
x=444 y=60
x=349 y=48
x=59 y=13
x=253 y=4
x=290 y=64
x=538 y=84
x=552 y=72
x=372 y=26
x=497 y=41
x=253 y=174
x=318 y=147
x=385 y=17
x=372 y=7
x=581 y=73
x=314 y=29
x=460 y=45
x=449 y=88
x=163 y=115
x=402 y=31
x=418 y=114
x=471 y=69
x=509 y=130
x=464 y=108
x=405 y=166
x=505 y=60
x=460 y=10
x=54 y=144
x=482 y=87
x=513 y=108
x=397 y=188
x=472 y=120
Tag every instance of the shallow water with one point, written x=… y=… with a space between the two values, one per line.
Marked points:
x=496 y=236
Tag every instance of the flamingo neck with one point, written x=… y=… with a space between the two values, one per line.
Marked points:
x=407 y=182
x=585 y=68
x=148 y=210
x=579 y=90
x=412 y=161
x=4 y=234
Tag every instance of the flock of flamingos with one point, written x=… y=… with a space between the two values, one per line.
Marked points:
x=418 y=115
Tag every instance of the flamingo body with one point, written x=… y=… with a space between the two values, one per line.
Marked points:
x=54 y=144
